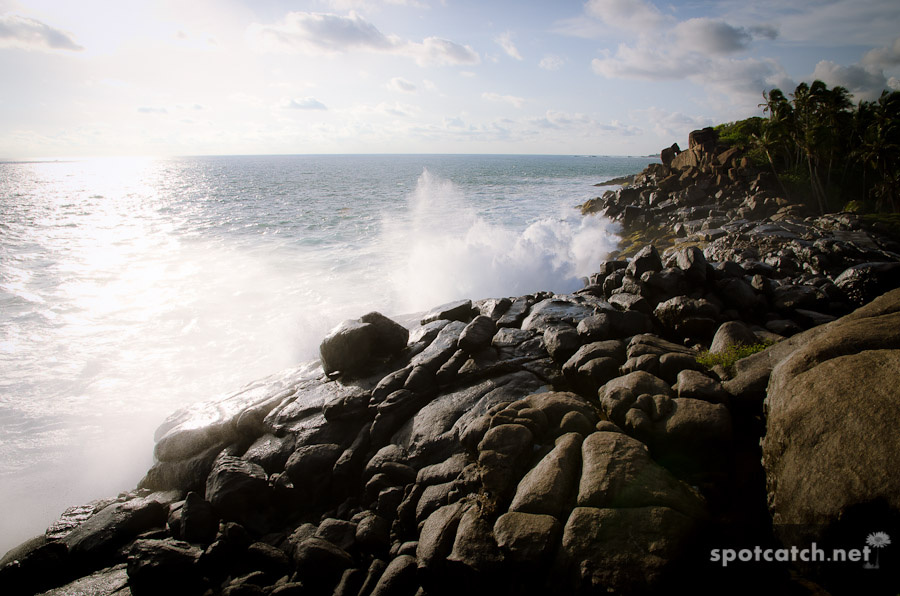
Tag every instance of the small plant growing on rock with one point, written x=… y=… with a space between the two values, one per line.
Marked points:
x=731 y=355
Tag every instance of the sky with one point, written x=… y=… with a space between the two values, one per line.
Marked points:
x=602 y=77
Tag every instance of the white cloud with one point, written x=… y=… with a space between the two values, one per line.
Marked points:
x=440 y=52
x=711 y=36
x=28 y=34
x=581 y=123
x=505 y=41
x=864 y=83
x=551 y=62
x=516 y=102
x=152 y=110
x=632 y=15
x=328 y=34
x=883 y=57
x=402 y=85
x=303 y=103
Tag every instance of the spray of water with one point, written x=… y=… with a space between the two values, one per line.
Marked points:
x=443 y=250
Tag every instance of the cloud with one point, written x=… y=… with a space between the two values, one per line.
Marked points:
x=883 y=57
x=582 y=123
x=28 y=34
x=864 y=83
x=711 y=36
x=402 y=85
x=304 y=103
x=330 y=34
x=505 y=42
x=551 y=62
x=671 y=124
x=516 y=102
x=152 y=110
x=631 y=15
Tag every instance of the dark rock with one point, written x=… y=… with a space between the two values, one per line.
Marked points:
x=33 y=566
x=515 y=314
x=624 y=551
x=672 y=363
x=619 y=472
x=477 y=335
x=595 y=327
x=547 y=487
x=310 y=468
x=373 y=534
x=561 y=342
x=527 y=538
x=863 y=283
x=628 y=301
x=351 y=346
x=199 y=522
x=399 y=578
x=647 y=363
x=271 y=452
x=646 y=259
x=460 y=310
x=320 y=564
x=91 y=543
x=693 y=263
x=164 y=566
x=238 y=490
x=554 y=311
x=697 y=385
x=831 y=408
x=338 y=532
x=732 y=333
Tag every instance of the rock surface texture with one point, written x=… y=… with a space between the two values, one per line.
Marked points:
x=546 y=444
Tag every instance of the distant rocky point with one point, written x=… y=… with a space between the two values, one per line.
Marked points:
x=551 y=444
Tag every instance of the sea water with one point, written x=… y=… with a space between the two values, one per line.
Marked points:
x=132 y=287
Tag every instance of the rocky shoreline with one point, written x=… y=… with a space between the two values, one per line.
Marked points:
x=551 y=443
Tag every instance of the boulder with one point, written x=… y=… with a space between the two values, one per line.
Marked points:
x=831 y=443
x=619 y=472
x=352 y=347
x=646 y=259
x=732 y=333
x=866 y=281
x=477 y=334
x=459 y=310
x=626 y=551
x=547 y=487
x=527 y=538
x=238 y=490
x=164 y=566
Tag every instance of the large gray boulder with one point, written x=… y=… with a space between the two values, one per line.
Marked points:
x=831 y=444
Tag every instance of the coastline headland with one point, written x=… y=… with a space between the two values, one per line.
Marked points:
x=618 y=439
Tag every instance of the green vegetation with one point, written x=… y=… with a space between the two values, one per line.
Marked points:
x=824 y=150
x=731 y=355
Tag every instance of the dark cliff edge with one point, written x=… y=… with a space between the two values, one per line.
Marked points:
x=553 y=444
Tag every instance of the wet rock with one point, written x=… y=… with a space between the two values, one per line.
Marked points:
x=339 y=532
x=866 y=281
x=460 y=310
x=199 y=522
x=95 y=540
x=310 y=467
x=554 y=311
x=238 y=490
x=515 y=314
x=477 y=335
x=164 y=566
x=352 y=345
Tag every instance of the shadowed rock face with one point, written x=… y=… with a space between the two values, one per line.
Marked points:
x=537 y=444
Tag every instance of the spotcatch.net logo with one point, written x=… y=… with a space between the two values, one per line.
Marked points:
x=868 y=555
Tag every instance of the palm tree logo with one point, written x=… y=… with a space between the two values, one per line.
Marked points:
x=877 y=540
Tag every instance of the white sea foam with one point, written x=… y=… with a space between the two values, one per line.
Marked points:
x=443 y=250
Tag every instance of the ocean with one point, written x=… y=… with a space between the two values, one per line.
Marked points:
x=132 y=287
